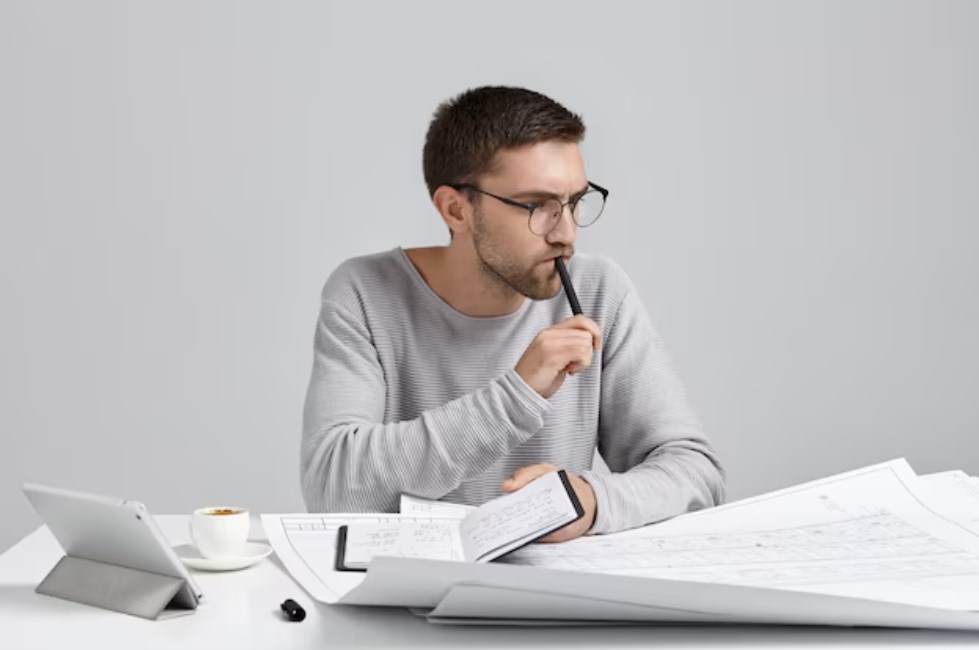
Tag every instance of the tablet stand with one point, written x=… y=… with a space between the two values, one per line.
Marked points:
x=130 y=591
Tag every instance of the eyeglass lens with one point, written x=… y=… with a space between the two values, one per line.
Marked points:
x=585 y=212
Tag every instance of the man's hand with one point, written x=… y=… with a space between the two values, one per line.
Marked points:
x=584 y=491
x=559 y=350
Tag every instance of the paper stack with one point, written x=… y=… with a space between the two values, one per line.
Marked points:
x=877 y=546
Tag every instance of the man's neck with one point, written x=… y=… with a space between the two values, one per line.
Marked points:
x=458 y=277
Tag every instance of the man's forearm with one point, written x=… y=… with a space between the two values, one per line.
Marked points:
x=354 y=465
x=669 y=483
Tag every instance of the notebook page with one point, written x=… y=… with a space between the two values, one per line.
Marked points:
x=514 y=519
x=432 y=540
x=427 y=508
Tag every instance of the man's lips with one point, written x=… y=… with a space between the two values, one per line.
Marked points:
x=549 y=264
x=566 y=256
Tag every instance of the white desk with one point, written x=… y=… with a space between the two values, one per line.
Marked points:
x=242 y=611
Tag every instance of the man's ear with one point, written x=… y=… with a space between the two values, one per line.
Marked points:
x=454 y=207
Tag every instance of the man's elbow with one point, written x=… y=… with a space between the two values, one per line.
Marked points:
x=717 y=482
x=314 y=463
x=706 y=474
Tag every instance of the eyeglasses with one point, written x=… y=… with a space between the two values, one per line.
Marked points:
x=544 y=217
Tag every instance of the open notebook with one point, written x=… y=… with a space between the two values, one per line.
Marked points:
x=491 y=530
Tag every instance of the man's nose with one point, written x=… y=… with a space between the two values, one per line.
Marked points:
x=565 y=230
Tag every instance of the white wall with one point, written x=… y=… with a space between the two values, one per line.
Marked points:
x=794 y=190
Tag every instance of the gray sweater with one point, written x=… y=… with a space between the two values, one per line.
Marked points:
x=408 y=395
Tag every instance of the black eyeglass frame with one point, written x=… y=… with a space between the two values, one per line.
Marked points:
x=530 y=207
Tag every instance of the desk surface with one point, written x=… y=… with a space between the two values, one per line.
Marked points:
x=242 y=611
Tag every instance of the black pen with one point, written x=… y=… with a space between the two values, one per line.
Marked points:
x=568 y=289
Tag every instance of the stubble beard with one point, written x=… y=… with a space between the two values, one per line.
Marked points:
x=509 y=274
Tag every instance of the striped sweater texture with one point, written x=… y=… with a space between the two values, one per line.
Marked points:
x=408 y=395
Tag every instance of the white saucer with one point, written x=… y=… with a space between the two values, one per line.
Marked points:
x=251 y=553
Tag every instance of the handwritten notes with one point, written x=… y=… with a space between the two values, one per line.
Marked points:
x=517 y=518
x=433 y=540
x=487 y=532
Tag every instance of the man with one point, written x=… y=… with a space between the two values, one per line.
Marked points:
x=457 y=371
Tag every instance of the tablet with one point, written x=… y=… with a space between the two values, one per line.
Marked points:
x=113 y=531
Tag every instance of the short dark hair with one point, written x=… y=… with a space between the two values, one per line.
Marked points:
x=468 y=130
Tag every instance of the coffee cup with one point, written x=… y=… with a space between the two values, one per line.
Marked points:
x=219 y=531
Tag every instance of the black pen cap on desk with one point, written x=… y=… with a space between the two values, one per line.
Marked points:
x=293 y=610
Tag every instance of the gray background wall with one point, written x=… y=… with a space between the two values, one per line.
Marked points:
x=794 y=190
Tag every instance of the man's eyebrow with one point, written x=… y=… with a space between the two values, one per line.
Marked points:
x=543 y=194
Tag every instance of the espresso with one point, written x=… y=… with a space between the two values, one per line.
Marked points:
x=222 y=511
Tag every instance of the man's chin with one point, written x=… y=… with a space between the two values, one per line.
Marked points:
x=533 y=284
x=545 y=290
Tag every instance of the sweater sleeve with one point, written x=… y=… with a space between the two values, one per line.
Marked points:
x=662 y=464
x=353 y=461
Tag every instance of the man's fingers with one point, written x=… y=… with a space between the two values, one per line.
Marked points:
x=570 y=350
x=586 y=324
x=565 y=348
x=525 y=475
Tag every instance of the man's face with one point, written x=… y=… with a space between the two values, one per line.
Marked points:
x=511 y=255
